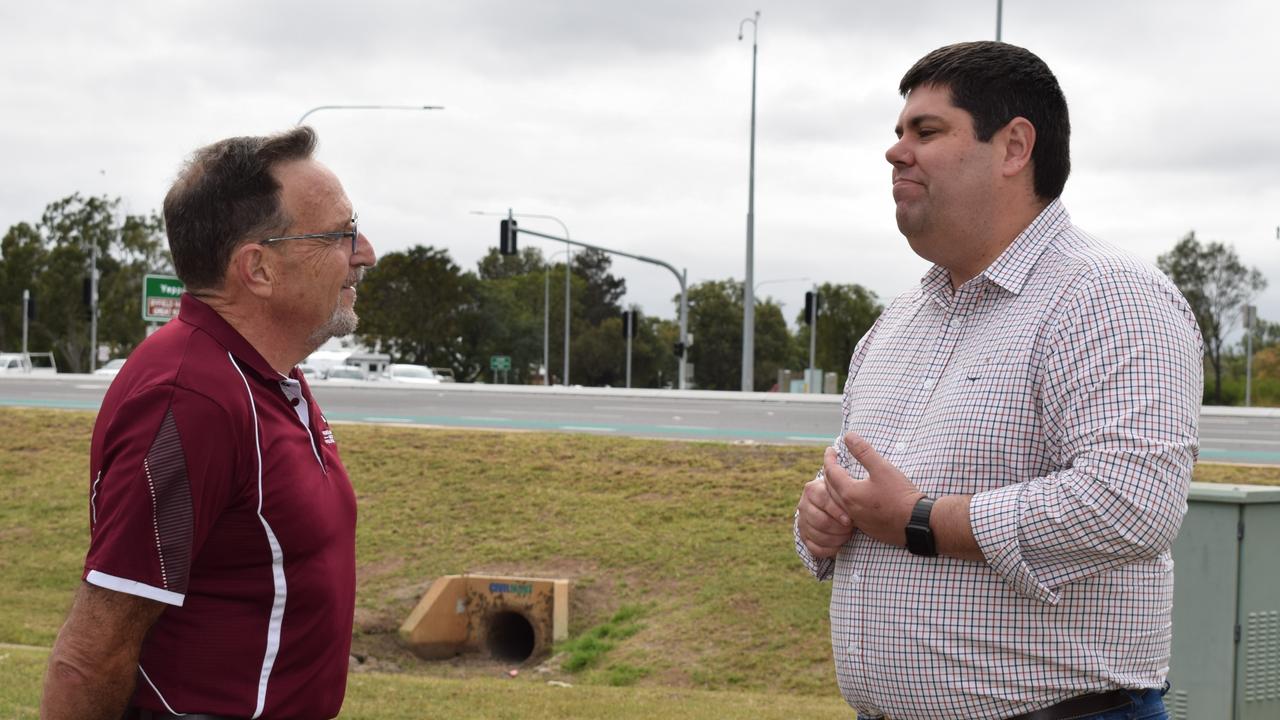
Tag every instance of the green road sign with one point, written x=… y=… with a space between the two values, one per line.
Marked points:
x=161 y=296
x=499 y=362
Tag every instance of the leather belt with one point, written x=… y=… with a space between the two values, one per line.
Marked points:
x=1082 y=706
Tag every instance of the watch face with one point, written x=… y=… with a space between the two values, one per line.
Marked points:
x=920 y=541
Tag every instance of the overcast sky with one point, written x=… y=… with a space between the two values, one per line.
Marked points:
x=629 y=121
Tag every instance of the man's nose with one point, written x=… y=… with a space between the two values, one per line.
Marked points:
x=898 y=154
x=364 y=254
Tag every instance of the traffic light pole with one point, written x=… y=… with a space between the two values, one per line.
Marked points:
x=26 y=313
x=630 y=316
x=681 y=277
x=813 y=332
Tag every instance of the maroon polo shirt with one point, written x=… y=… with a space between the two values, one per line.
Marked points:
x=216 y=488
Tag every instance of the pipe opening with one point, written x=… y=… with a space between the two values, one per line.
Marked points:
x=510 y=637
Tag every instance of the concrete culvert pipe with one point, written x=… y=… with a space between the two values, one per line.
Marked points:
x=511 y=619
x=509 y=637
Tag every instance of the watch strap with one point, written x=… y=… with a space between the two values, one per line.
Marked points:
x=920 y=540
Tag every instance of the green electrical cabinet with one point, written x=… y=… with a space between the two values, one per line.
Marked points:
x=1226 y=605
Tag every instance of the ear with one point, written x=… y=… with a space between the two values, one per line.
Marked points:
x=253 y=269
x=1019 y=138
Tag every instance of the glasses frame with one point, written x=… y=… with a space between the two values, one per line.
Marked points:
x=354 y=232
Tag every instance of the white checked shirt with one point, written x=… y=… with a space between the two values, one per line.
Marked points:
x=1061 y=387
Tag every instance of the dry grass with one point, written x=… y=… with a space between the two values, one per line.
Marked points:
x=699 y=534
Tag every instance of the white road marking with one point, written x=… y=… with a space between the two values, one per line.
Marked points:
x=638 y=408
x=685 y=427
x=484 y=418
x=552 y=413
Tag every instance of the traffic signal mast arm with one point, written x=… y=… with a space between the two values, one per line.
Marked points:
x=681 y=277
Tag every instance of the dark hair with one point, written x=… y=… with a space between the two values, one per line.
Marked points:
x=995 y=83
x=224 y=194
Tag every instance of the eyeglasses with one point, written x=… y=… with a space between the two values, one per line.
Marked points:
x=354 y=233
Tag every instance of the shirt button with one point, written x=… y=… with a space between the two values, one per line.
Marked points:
x=927 y=384
x=900 y=446
x=295 y=402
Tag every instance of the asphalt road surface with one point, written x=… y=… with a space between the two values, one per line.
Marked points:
x=1226 y=434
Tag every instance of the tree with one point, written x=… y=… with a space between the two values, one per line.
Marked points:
x=1265 y=334
x=414 y=305
x=52 y=259
x=603 y=291
x=715 y=321
x=22 y=257
x=845 y=314
x=1217 y=286
x=495 y=265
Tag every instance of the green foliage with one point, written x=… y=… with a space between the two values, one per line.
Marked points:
x=1217 y=286
x=52 y=259
x=622 y=675
x=384 y=696
x=414 y=306
x=587 y=649
x=692 y=538
x=715 y=320
x=845 y=314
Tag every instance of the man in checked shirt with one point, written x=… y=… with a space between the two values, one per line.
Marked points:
x=1018 y=436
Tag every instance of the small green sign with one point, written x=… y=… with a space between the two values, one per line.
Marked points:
x=161 y=297
x=499 y=362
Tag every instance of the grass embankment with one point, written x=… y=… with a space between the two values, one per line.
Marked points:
x=695 y=534
x=680 y=554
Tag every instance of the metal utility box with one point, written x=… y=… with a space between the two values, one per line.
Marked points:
x=1226 y=605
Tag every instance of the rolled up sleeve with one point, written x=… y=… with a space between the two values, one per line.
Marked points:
x=1121 y=403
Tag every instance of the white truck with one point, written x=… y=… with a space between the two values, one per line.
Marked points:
x=27 y=363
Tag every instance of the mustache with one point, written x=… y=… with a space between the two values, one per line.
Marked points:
x=355 y=277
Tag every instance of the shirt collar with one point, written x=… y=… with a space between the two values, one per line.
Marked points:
x=195 y=312
x=1011 y=268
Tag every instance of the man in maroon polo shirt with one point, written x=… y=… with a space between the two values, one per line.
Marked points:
x=220 y=576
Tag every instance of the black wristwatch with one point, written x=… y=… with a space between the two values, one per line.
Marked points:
x=919 y=534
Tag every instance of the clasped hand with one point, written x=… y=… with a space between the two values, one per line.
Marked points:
x=835 y=504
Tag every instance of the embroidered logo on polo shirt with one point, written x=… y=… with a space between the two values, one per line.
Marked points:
x=327 y=433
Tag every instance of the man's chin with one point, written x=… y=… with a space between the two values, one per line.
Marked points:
x=343 y=322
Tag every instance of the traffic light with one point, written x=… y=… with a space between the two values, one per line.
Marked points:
x=31 y=307
x=811 y=306
x=630 y=323
x=679 y=349
x=507 y=243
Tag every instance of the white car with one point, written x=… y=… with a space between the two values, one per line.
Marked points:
x=411 y=374
x=345 y=372
x=111 y=368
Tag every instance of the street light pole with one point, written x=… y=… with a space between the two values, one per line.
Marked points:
x=93 y=305
x=368 y=107
x=999 y=18
x=748 y=291
x=546 y=319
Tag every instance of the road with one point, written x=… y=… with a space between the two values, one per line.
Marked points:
x=1226 y=434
